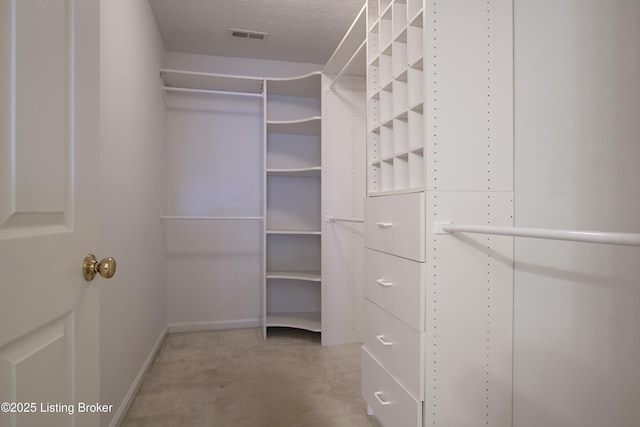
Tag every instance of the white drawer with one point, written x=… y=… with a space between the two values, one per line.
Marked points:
x=392 y=405
x=395 y=224
x=396 y=345
x=397 y=285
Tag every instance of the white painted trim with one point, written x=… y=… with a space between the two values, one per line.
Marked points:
x=213 y=325
x=121 y=412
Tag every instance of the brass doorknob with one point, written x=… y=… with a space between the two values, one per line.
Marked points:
x=90 y=266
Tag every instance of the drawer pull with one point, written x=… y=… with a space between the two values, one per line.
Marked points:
x=382 y=341
x=382 y=282
x=384 y=224
x=382 y=402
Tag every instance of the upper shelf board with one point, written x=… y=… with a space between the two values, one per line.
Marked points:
x=207 y=81
x=307 y=85
x=309 y=126
x=348 y=47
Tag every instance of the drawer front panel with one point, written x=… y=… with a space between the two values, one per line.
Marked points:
x=395 y=345
x=392 y=405
x=395 y=225
x=397 y=285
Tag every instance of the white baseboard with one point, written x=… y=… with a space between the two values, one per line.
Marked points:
x=121 y=413
x=213 y=325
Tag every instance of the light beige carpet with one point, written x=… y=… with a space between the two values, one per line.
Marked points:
x=234 y=378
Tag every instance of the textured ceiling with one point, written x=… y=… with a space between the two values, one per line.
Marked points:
x=299 y=30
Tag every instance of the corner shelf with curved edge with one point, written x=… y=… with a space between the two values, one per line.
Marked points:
x=311 y=172
x=306 y=126
x=292 y=190
x=309 y=321
x=311 y=276
x=211 y=83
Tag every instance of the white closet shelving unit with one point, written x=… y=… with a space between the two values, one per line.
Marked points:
x=177 y=80
x=292 y=206
x=395 y=96
x=313 y=146
x=437 y=314
x=393 y=351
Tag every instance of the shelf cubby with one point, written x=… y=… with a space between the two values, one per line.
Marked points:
x=293 y=201
x=415 y=134
x=384 y=4
x=401 y=171
x=293 y=303
x=415 y=45
x=416 y=168
x=399 y=13
x=292 y=151
x=293 y=252
x=386 y=140
x=386 y=105
x=415 y=86
x=400 y=96
x=387 y=175
x=385 y=28
x=399 y=58
x=413 y=8
x=386 y=67
x=400 y=135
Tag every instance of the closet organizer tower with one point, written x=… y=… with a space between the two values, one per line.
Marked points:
x=304 y=271
x=436 y=336
x=293 y=178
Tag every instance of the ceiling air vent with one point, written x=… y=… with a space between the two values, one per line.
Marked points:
x=244 y=34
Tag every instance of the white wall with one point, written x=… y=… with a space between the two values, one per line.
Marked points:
x=577 y=151
x=214 y=168
x=132 y=160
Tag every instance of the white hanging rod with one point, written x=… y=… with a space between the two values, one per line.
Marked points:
x=626 y=239
x=334 y=219
x=211 y=218
x=211 y=91
x=348 y=64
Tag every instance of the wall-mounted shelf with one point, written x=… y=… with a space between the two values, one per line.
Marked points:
x=310 y=321
x=210 y=82
x=295 y=275
x=303 y=86
x=295 y=232
x=313 y=172
x=306 y=126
